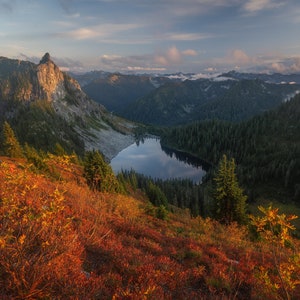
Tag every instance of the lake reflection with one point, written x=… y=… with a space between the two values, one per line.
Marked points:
x=149 y=159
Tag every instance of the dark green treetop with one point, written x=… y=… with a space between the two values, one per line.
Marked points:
x=229 y=198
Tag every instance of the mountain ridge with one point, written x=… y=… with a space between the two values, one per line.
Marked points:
x=31 y=94
x=188 y=101
x=173 y=99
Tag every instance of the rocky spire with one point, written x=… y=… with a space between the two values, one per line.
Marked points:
x=46 y=58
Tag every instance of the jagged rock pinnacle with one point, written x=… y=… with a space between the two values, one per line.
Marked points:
x=46 y=58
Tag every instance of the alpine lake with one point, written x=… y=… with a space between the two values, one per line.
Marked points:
x=149 y=158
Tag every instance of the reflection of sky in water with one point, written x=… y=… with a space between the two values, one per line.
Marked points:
x=149 y=159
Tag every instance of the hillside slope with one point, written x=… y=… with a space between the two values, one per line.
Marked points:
x=45 y=106
x=232 y=100
x=266 y=148
x=117 y=91
x=60 y=240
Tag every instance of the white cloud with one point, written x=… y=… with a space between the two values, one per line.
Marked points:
x=278 y=67
x=253 y=6
x=161 y=60
x=235 y=58
x=169 y=58
x=148 y=69
x=84 y=33
x=296 y=64
x=104 y=30
x=287 y=65
x=189 y=52
x=129 y=63
x=173 y=55
x=240 y=57
x=187 y=36
x=268 y=63
x=210 y=69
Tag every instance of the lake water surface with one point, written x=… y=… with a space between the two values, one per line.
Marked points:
x=150 y=159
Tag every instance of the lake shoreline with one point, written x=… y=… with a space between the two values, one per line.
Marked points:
x=148 y=157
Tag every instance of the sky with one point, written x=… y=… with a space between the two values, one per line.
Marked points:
x=154 y=36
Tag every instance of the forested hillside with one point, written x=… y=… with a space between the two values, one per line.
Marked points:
x=232 y=100
x=266 y=148
x=117 y=91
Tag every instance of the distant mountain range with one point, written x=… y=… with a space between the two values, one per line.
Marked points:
x=203 y=99
x=116 y=91
x=173 y=99
x=271 y=78
x=46 y=106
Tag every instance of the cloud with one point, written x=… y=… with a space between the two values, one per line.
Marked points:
x=268 y=63
x=169 y=58
x=189 y=52
x=173 y=56
x=83 y=33
x=235 y=58
x=187 y=36
x=278 y=67
x=240 y=57
x=129 y=63
x=287 y=65
x=161 y=60
x=104 y=30
x=253 y=6
x=148 y=69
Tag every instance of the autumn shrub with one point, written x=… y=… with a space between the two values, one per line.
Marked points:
x=35 y=158
x=59 y=239
x=40 y=254
x=279 y=277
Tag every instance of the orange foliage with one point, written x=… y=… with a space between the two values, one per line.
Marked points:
x=60 y=240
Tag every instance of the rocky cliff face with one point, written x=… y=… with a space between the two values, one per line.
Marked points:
x=50 y=79
x=27 y=83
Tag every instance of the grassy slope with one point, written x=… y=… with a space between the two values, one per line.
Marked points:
x=60 y=240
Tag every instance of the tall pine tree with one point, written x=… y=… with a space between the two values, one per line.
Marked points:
x=230 y=202
x=11 y=146
x=98 y=173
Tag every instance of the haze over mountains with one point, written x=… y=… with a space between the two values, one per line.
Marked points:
x=174 y=99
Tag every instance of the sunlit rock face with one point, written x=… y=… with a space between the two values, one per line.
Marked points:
x=50 y=79
x=24 y=83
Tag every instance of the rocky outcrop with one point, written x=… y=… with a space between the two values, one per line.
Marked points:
x=50 y=79
x=23 y=83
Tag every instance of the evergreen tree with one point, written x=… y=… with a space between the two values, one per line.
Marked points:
x=229 y=198
x=11 y=146
x=98 y=173
x=59 y=150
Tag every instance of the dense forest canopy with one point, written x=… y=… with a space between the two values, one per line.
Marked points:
x=266 y=148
